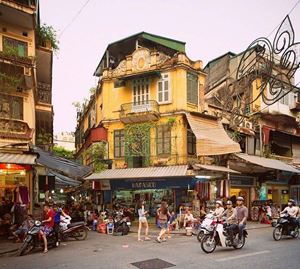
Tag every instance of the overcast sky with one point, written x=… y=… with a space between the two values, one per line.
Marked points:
x=209 y=28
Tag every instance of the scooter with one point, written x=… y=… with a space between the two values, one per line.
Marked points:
x=76 y=230
x=285 y=226
x=206 y=225
x=34 y=240
x=219 y=237
x=121 y=224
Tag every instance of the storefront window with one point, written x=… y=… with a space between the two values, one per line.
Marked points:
x=119 y=147
x=163 y=140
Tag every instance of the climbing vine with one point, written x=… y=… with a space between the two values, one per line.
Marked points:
x=137 y=141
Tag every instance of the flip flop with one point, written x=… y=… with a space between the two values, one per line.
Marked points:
x=140 y=240
x=147 y=238
x=45 y=251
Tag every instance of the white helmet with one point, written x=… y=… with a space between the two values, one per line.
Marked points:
x=219 y=202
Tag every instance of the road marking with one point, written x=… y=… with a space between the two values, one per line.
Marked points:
x=244 y=255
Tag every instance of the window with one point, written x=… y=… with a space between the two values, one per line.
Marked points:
x=192 y=88
x=44 y=124
x=191 y=143
x=164 y=95
x=140 y=91
x=119 y=146
x=285 y=99
x=15 y=46
x=163 y=135
x=11 y=107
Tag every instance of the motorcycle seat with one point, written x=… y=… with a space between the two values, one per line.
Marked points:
x=75 y=224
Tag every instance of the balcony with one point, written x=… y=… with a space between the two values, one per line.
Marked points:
x=17 y=60
x=139 y=112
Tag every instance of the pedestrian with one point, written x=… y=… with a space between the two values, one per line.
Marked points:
x=95 y=217
x=163 y=214
x=142 y=220
x=172 y=223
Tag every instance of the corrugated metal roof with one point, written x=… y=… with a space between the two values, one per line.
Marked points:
x=62 y=180
x=268 y=163
x=18 y=158
x=67 y=167
x=211 y=137
x=145 y=172
x=215 y=168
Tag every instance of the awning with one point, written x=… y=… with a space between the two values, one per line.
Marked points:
x=211 y=137
x=61 y=165
x=268 y=163
x=214 y=168
x=18 y=158
x=145 y=172
x=63 y=181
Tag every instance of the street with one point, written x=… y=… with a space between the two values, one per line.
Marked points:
x=112 y=252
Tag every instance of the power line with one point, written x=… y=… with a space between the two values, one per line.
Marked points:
x=74 y=18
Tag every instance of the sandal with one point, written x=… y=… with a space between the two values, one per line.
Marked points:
x=147 y=238
x=46 y=250
x=158 y=240
x=140 y=240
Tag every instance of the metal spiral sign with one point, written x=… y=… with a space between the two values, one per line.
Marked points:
x=270 y=66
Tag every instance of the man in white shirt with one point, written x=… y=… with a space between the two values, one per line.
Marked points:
x=291 y=209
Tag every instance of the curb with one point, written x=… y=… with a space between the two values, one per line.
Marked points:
x=9 y=251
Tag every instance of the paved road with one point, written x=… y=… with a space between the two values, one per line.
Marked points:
x=111 y=252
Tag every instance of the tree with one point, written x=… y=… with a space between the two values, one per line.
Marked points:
x=96 y=154
x=62 y=152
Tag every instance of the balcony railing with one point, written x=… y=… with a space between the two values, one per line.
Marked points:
x=19 y=60
x=44 y=93
x=139 y=111
x=26 y=3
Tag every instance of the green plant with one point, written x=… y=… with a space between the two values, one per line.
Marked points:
x=171 y=121
x=10 y=80
x=44 y=138
x=62 y=152
x=96 y=154
x=48 y=33
x=137 y=141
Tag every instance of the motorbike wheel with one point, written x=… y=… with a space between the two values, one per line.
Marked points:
x=277 y=233
x=296 y=234
x=240 y=242
x=81 y=234
x=200 y=236
x=208 y=244
x=25 y=248
x=125 y=229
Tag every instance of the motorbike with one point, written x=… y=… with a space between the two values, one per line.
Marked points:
x=206 y=225
x=34 y=240
x=220 y=237
x=76 y=230
x=285 y=226
x=121 y=223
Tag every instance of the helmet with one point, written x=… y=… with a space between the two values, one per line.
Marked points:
x=240 y=198
x=229 y=203
x=292 y=201
x=219 y=202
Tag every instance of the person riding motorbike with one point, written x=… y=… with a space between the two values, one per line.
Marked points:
x=231 y=220
x=242 y=215
x=292 y=210
x=219 y=209
x=48 y=227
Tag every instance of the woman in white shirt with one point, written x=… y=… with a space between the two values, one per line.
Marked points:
x=142 y=220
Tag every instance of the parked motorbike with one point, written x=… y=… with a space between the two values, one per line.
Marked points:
x=121 y=223
x=285 y=226
x=34 y=240
x=76 y=230
x=206 y=225
x=219 y=237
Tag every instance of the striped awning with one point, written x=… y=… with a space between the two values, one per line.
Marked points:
x=18 y=158
x=212 y=138
x=145 y=172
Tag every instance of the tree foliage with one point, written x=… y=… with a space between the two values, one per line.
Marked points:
x=63 y=152
x=96 y=154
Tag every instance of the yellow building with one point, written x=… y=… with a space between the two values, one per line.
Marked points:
x=149 y=108
x=25 y=96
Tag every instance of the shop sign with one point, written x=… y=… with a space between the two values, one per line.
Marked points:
x=143 y=185
x=242 y=182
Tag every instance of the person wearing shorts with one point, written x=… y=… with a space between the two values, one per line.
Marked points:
x=48 y=227
x=163 y=215
x=142 y=220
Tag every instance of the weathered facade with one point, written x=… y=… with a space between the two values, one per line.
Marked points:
x=25 y=80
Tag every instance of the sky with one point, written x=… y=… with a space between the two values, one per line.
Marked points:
x=209 y=28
